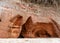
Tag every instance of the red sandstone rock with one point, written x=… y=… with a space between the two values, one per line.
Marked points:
x=39 y=29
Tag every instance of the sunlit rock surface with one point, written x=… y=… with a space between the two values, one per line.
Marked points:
x=11 y=8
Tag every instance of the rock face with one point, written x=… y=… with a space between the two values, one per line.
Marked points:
x=28 y=20
x=39 y=29
x=50 y=2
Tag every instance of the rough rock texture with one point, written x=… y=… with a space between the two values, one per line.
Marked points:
x=9 y=9
x=40 y=29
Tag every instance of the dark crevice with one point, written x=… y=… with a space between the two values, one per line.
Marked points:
x=23 y=31
x=20 y=36
x=0 y=20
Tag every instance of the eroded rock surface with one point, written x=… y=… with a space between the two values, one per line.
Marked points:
x=39 y=25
